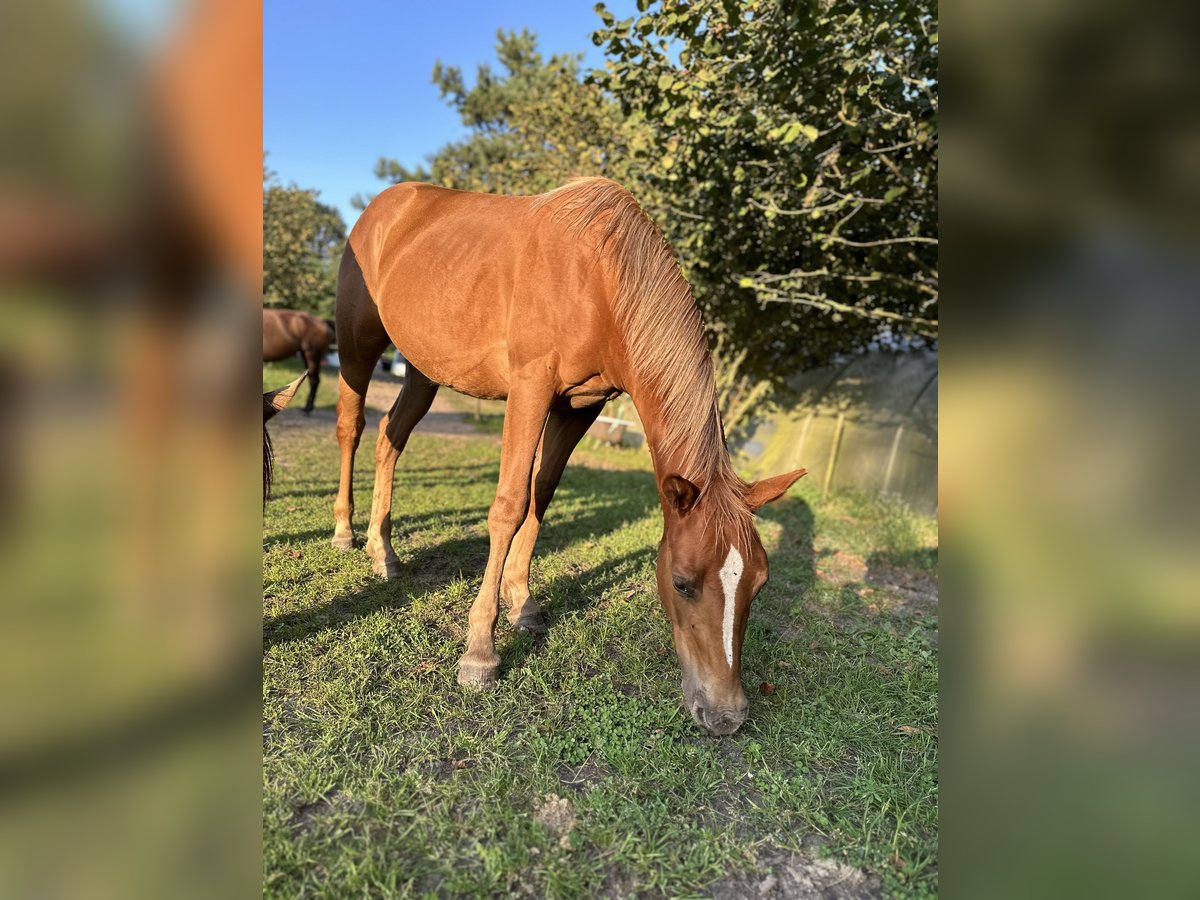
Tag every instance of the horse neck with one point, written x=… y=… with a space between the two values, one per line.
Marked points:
x=678 y=447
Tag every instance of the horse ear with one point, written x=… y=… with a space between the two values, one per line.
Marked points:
x=680 y=493
x=763 y=492
x=276 y=400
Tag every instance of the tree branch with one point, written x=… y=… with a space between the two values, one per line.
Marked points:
x=926 y=327
x=882 y=241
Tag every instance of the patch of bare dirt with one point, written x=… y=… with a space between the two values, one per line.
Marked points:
x=442 y=417
x=784 y=874
x=446 y=768
x=916 y=587
x=307 y=814
x=558 y=816
x=841 y=568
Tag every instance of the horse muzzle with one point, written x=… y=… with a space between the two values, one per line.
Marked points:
x=718 y=719
x=721 y=720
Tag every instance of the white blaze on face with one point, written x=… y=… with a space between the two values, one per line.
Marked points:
x=731 y=577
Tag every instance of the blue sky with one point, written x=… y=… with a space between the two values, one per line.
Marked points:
x=345 y=83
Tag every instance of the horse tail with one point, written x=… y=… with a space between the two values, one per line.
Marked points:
x=268 y=466
x=332 y=326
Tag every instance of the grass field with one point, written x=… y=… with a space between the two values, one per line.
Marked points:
x=581 y=774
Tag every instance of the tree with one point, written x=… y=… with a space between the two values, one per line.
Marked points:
x=302 y=245
x=796 y=147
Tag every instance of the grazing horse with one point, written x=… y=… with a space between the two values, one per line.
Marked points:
x=558 y=302
x=287 y=332
x=273 y=402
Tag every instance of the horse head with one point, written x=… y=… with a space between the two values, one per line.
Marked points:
x=711 y=564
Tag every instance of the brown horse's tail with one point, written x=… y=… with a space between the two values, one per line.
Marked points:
x=332 y=331
x=268 y=466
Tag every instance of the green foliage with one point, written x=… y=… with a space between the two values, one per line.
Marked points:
x=302 y=245
x=797 y=148
x=606 y=727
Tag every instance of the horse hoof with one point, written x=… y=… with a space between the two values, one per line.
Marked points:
x=386 y=568
x=343 y=542
x=475 y=676
x=530 y=620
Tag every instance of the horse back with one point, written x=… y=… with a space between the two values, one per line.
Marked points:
x=470 y=286
x=287 y=332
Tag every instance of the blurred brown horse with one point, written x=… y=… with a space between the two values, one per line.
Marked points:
x=287 y=332
x=558 y=302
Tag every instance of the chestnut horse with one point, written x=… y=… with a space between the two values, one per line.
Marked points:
x=557 y=302
x=287 y=332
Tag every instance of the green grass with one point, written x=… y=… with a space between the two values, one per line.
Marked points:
x=383 y=778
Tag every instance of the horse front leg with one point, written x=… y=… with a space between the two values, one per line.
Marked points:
x=564 y=429
x=413 y=402
x=350 y=424
x=524 y=419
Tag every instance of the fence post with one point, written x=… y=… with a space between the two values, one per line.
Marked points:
x=833 y=453
x=887 y=475
x=799 y=454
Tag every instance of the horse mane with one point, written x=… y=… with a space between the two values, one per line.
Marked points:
x=664 y=339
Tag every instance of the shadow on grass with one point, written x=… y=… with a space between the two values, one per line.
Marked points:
x=910 y=577
x=410 y=479
x=794 y=556
x=402 y=526
x=609 y=500
x=600 y=501
x=923 y=559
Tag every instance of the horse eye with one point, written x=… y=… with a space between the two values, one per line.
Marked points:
x=682 y=586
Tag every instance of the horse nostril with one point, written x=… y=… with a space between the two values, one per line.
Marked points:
x=722 y=721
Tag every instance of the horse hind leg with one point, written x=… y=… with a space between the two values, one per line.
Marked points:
x=362 y=339
x=564 y=429
x=410 y=407
x=350 y=424
x=312 y=364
